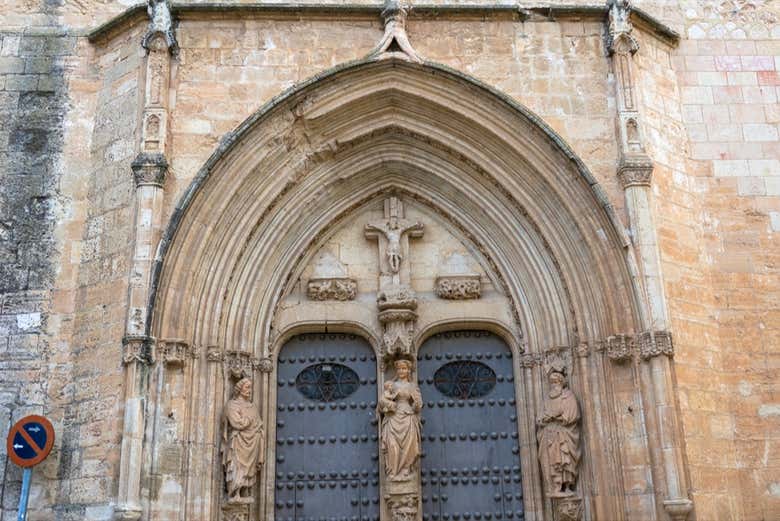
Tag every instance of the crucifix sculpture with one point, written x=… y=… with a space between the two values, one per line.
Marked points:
x=393 y=234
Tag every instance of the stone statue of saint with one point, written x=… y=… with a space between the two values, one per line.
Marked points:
x=243 y=440
x=399 y=408
x=558 y=432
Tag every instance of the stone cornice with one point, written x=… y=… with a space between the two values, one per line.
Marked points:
x=137 y=14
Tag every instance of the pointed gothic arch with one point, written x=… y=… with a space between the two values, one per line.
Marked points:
x=297 y=169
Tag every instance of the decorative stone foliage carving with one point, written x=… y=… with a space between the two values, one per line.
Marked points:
x=243 y=443
x=395 y=43
x=174 y=352
x=149 y=169
x=214 y=354
x=635 y=170
x=558 y=432
x=138 y=349
x=160 y=22
x=620 y=348
x=239 y=363
x=332 y=289
x=652 y=344
x=458 y=287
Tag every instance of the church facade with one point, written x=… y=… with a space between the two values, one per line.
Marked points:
x=398 y=262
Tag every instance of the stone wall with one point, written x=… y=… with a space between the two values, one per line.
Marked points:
x=728 y=80
x=33 y=106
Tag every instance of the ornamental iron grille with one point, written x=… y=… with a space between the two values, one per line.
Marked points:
x=326 y=430
x=464 y=379
x=471 y=455
x=327 y=382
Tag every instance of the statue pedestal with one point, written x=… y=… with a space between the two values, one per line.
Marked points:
x=402 y=499
x=235 y=512
x=567 y=508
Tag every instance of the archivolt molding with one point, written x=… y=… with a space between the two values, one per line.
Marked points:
x=288 y=174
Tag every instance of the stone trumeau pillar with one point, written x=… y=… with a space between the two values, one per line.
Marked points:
x=654 y=342
x=149 y=169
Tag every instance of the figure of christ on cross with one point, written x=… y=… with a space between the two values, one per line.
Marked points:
x=393 y=230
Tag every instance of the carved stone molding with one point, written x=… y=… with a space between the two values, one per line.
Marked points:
x=458 y=287
x=635 y=170
x=657 y=343
x=160 y=23
x=174 y=352
x=337 y=288
x=582 y=350
x=149 y=169
x=138 y=349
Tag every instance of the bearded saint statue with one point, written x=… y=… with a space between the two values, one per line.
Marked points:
x=400 y=406
x=559 y=438
x=243 y=440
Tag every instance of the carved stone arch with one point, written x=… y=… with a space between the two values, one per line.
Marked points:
x=311 y=158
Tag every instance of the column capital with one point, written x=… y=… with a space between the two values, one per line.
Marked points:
x=149 y=169
x=138 y=349
x=635 y=170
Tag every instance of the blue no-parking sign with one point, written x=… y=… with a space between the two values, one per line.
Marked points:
x=29 y=441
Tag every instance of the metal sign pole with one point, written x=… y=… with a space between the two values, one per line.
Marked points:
x=26 y=478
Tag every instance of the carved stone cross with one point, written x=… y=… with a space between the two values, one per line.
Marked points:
x=393 y=234
x=396 y=302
